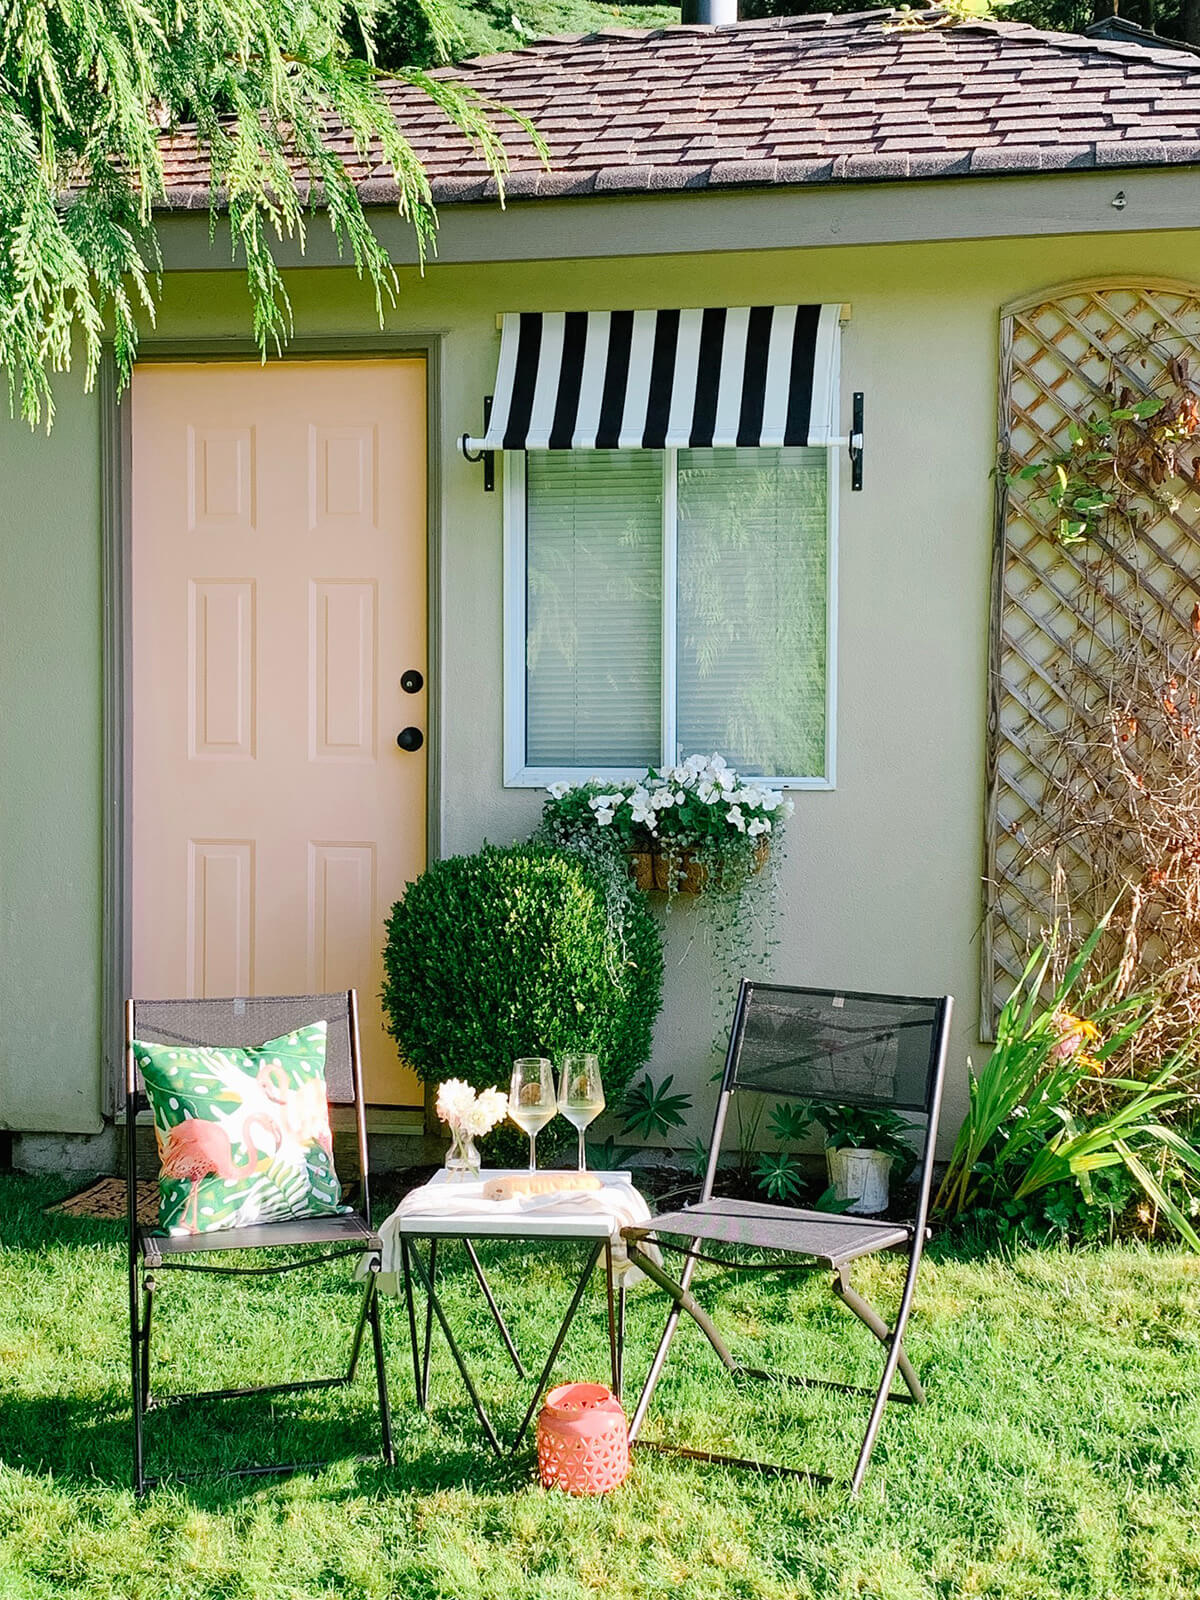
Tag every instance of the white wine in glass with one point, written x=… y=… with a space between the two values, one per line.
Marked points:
x=531 y=1100
x=581 y=1095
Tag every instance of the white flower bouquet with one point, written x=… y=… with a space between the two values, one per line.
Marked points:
x=467 y=1112
x=468 y=1115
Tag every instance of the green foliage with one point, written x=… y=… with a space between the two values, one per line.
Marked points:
x=1023 y=1134
x=780 y=1175
x=652 y=1110
x=1171 y=19
x=1058 y=1461
x=404 y=36
x=87 y=90
x=791 y=1120
x=511 y=953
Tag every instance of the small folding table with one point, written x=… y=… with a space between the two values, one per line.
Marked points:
x=469 y=1221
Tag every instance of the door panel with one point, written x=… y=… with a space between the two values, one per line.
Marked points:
x=279 y=581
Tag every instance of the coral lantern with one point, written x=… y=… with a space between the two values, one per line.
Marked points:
x=582 y=1439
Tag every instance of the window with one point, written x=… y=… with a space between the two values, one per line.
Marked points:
x=660 y=602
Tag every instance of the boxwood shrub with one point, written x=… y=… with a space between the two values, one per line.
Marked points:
x=511 y=952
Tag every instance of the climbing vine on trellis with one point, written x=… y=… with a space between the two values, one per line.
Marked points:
x=1094 y=755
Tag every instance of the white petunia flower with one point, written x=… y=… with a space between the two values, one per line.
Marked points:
x=758 y=825
x=558 y=790
x=604 y=816
x=717 y=763
x=736 y=819
x=725 y=780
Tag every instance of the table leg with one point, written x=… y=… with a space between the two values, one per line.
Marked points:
x=497 y=1318
x=614 y=1352
x=558 y=1342
x=424 y=1391
x=434 y=1308
x=621 y=1337
x=412 y=1320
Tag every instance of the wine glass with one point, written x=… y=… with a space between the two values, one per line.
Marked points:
x=531 y=1102
x=581 y=1094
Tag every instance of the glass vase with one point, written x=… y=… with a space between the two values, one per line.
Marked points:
x=463 y=1160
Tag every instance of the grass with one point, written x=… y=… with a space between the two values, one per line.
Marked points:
x=1059 y=1454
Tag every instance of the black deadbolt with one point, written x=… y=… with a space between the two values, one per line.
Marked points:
x=410 y=738
x=411 y=681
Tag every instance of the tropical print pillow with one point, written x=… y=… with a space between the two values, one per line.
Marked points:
x=243 y=1134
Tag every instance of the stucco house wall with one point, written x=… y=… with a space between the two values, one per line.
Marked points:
x=881 y=887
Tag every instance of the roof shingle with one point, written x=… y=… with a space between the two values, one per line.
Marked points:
x=793 y=100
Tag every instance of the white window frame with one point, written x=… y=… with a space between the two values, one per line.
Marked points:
x=517 y=774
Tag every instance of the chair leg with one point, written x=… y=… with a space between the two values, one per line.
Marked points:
x=364 y=1312
x=870 y=1318
x=895 y=1357
x=147 y=1316
x=385 y=1410
x=135 y=1365
x=683 y=1300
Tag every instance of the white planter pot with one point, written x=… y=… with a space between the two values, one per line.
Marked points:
x=861 y=1177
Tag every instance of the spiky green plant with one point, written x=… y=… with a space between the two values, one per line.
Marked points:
x=89 y=88
x=1023 y=1133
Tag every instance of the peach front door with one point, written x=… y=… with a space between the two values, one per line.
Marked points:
x=279 y=535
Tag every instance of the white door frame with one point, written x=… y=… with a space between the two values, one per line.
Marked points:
x=116 y=422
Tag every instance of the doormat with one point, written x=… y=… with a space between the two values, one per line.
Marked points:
x=105 y=1200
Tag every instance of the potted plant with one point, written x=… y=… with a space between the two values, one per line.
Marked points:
x=862 y=1144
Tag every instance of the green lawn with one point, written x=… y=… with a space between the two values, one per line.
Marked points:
x=1059 y=1454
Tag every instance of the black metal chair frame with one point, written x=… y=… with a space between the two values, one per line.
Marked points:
x=151 y=1253
x=913 y=1235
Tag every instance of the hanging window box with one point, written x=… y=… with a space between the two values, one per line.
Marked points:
x=682 y=872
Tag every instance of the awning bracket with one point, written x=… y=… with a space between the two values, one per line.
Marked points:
x=856 y=442
x=488 y=457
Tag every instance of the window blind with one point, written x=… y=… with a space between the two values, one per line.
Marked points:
x=593 y=608
x=752 y=608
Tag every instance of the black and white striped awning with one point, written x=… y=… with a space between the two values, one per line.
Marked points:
x=653 y=380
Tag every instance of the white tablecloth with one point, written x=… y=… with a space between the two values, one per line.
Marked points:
x=440 y=1207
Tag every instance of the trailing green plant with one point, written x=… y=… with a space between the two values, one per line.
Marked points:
x=651 y=1110
x=510 y=952
x=1024 y=1133
x=697 y=824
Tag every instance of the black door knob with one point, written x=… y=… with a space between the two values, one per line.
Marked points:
x=412 y=681
x=410 y=739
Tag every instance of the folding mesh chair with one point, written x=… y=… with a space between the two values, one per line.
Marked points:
x=827 y=1047
x=250 y=1021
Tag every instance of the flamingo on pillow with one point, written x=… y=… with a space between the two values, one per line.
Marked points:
x=243 y=1133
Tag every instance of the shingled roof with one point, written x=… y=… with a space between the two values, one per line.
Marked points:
x=794 y=101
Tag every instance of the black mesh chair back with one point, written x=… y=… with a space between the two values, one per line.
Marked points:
x=252 y=1021
x=249 y=1021
x=836 y=1047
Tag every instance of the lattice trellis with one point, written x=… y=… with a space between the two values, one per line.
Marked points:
x=1058 y=613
